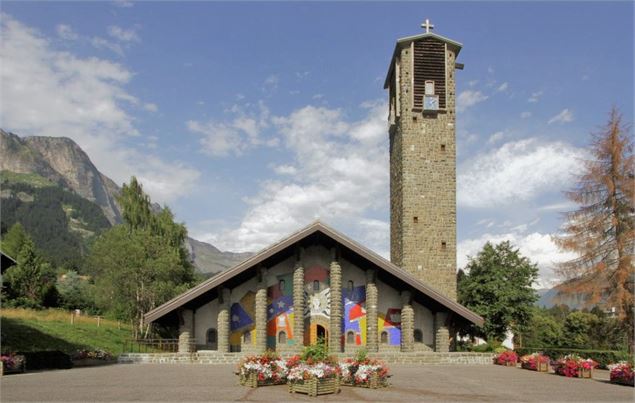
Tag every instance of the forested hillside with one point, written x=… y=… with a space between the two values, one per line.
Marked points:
x=61 y=223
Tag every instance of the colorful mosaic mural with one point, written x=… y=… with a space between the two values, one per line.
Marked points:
x=354 y=318
x=280 y=310
x=391 y=324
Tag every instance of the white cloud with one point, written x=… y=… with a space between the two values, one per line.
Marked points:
x=516 y=171
x=472 y=83
x=535 y=96
x=339 y=175
x=496 y=137
x=66 y=32
x=101 y=43
x=150 y=107
x=469 y=98
x=285 y=170
x=271 y=82
x=502 y=87
x=536 y=246
x=55 y=93
x=233 y=137
x=123 y=3
x=525 y=115
x=123 y=35
x=564 y=116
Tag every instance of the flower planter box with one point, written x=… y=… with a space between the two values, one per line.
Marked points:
x=375 y=382
x=621 y=381
x=510 y=364
x=585 y=373
x=251 y=380
x=18 y=368
x=539 y=367
x=315 y=387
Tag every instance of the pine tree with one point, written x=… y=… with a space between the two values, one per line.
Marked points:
x=601 y=230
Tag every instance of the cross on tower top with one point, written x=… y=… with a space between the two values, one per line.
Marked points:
x=427 y=25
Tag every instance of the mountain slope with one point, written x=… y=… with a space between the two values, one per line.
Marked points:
x=59 y=161
x=62 y=161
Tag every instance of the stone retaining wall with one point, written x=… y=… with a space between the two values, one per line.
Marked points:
x=419 y=357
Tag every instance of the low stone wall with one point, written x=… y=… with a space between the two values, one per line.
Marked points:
x=213 y=357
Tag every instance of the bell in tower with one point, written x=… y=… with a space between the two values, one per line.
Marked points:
x=421 y=88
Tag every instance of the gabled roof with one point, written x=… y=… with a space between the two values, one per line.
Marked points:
x=353 y=249
x=7 y=261
x=406 y=41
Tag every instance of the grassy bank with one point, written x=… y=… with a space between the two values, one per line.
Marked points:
x=51 y=329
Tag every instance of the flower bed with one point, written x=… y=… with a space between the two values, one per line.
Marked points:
x=622 y=373
x=314 y=378
x=364 y=372
x=507 y=358
x=12 y=363
x=574 y=366
x=535 y=362
x=266 y=369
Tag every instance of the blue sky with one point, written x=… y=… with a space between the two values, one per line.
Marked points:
x=250 y=120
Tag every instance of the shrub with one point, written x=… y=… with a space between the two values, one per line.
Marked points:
x=47 y=360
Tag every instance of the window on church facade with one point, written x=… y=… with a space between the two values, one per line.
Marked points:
x=281 y=285
x=212 y=336
x=247 y=337
x=350 y=337
x=282 y=337
x=351 y=285
x=316 y=285
x=418 y=336
x=384 y=337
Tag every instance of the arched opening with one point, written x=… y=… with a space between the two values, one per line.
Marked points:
x=281 y=286
x=418 y=336
x=282 y=337
x=320 y=333
x=211 y=338
x=316 y=285
x=350 y=337
x=351 y=285
x=384 y=337
x=247 y=337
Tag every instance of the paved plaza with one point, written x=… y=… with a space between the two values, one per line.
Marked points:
x=410 y=383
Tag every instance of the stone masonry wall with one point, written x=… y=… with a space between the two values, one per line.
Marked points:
x=423 y=185
x=211 y=358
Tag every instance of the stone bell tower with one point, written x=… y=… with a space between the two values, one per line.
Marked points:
x=422 y=95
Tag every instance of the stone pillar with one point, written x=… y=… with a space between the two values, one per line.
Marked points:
x=371 y=311
x=407 y=322
x=261 y=312
x=298 y=306
x=441 y=333
x=223 y=326
x=186 y=331
x=335 y=331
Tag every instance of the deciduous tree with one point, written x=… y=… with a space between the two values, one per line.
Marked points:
x=497 y=284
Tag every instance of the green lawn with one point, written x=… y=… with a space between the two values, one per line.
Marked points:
x=28 y=330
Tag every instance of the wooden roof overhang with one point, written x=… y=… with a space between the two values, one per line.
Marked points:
x=456 y=46
x=316 y=233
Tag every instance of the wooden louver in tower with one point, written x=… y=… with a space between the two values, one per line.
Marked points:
x=429 y=65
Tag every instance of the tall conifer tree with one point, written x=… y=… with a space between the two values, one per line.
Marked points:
x=601 y=230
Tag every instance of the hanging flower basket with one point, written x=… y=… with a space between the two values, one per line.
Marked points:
x=315 y=386
x=535 y=362
x=622 y=373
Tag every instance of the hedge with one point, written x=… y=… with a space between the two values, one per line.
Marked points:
x=602 y=357
x=46 y=360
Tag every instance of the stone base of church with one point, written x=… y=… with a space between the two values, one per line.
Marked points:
x=390 y=357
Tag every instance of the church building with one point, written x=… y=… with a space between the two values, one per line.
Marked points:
x=319 y=284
